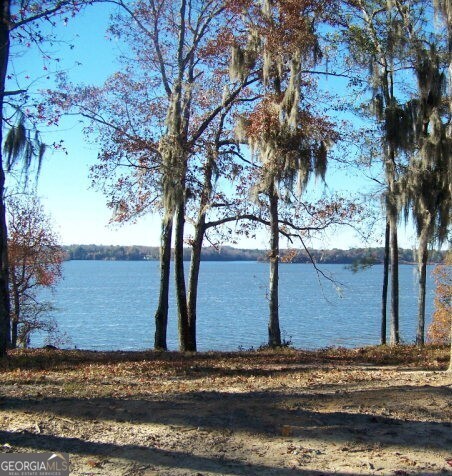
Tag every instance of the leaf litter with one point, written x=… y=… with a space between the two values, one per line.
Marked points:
x=360 y=411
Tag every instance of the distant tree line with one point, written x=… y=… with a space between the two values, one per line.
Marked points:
x=356 y=257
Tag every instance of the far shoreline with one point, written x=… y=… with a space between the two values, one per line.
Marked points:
x=356 y=258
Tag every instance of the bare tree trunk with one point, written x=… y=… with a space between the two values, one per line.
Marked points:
x=179 y=273
x=274 y=332
x=5 y=324
x=384 y=294
x=193 y=280
x=422 y=270
x=14 y=329
x=16 y=316
x=200 y=230
x=395 y=334
x=161 y=314
x=450 y=359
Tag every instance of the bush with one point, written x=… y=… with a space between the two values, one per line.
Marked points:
x=440 y=329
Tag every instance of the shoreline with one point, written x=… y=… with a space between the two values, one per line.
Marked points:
x=430 y=355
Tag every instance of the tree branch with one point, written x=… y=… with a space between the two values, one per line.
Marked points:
x=13 y=93
x=42 y=14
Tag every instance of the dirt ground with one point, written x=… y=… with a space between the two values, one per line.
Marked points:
x=253 y=413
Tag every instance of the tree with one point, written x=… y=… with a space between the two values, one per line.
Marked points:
x=379 y=40
x=417 y=157
x=195 y=30
x=129 y=115
x=444 y=8
x=289 y=140
x=160 y=110
x=211 y=205
x=426 y=186
x=35 y=260
x=17 y=22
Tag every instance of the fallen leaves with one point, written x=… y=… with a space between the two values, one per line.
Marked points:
x=270 y=409
x=286 y=430
x=94 y=464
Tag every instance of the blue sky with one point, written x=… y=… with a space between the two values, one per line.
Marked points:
x=80 y=213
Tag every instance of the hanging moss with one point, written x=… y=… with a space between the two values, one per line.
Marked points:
x=377 y=107
x=237 y=63
x=172 y=163
x=15 y=144
x=290 y=104
x=286 y=141
x=321 y=160
x=22 y=146
x=243 y=59
x=401 y=125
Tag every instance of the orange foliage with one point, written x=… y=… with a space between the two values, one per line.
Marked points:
x=221 y=43
x=440 y=328
x=293 y=29
x=289 y=255
x=264 y=121
x=34 y=254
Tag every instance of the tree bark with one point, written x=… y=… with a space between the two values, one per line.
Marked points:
x=395 y=333
x=193 y=280
x=5 y=323
x=161 y=314
x=450 y=358
x=274 y=332
x=16 y=315
x=179 y=274
x=384 y=294
x=200 y=230
x=422 y=271
x=14 y=330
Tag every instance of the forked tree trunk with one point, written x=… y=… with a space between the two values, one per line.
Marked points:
x=274 y=332
x=195 y=262
x=384 y=293
x=395 y=333
x=5 y=324
x=179 y=274
x=161 y=314
x=422 y=271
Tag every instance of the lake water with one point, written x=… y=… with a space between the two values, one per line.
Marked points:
x=104 y=305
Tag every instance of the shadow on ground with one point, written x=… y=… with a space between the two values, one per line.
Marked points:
x=309 y=416
x=143 y=455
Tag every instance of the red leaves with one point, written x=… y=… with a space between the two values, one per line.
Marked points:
x=263 y=119
x=238 y=6
x=34 y=255
x=439 y=329
x=221 y=44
